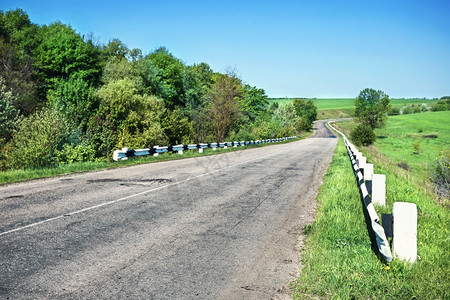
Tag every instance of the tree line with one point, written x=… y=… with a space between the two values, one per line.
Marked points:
x=65 y=98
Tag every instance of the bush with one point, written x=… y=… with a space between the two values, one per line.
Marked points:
x=441 y=176
x=407 y=110
x=441 y=105
x=363 y=135
x=394 y=111
x=416 y=147
x=70 y=153
x=37 y=140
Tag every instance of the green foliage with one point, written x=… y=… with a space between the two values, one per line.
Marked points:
x=9 y=114
x=286 y=119
x=75 y=100
x=254 y=103
x=62 y=53
x=371 y=107
x=224 y=109
x=70 y=154
x=307 y=110
x=441 y=176
x=416 y=147
x=441 y=105
x=363 y=135
x=164 y=75
x=393 y=111
x=37 y=140
x=176 y=127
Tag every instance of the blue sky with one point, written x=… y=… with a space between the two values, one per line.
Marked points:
x=289 y=48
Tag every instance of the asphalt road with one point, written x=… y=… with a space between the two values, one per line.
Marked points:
x=216 y=227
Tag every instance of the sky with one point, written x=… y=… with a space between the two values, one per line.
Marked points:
x=321 y=49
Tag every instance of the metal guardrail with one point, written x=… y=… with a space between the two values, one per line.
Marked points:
x=125 y=153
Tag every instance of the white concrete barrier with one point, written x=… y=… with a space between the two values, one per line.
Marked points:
x=379 y=189
x=404 y=243
x=368 y=172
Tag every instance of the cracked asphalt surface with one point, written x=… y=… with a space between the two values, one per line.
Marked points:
x=216 y=227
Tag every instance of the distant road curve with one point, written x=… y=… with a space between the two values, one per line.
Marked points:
x=216 y=227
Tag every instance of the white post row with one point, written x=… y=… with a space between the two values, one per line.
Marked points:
x=404 y=242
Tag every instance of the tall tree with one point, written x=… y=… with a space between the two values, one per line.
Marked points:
x=63 y=53
x=163 y=74
x=18 y=41
x=224 y=110
x=371 y=107
x=254 y=103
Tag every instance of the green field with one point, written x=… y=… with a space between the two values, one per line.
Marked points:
x=334 y=108
x=338 y=262
x=429 y=130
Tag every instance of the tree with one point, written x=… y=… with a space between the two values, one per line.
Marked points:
x=18 y=40
x=163 y=76
x=307 y=111
x=254 y=103
x=63 y=53
x=75 y=100
x=371 y=107
x=9 y=114
x=224 y=109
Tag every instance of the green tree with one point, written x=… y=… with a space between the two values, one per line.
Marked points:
x=254 y=103
x=371 y=107
x=18 y=40
x=63 y=53
x=114 y=49
x=163 y=76
x=224 y=110
x=9 y=114
x=75 y=100
x=287 y=116
x=307 y=111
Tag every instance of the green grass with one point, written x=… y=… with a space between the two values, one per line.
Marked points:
x=338 y=262
x=63 y=169
x=431 y=130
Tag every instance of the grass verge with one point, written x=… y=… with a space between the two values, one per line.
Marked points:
x=12 y=176
x=338 y=262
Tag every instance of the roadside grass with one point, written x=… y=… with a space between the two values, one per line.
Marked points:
x=12 y=176
x=338 y=262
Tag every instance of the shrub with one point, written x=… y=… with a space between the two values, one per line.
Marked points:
x=70 y=153
x=407 y=110
x=394 y=111
x=441 y=105
x=416 y=147
x=363 y=135
x=441 y=176
x=37 y=140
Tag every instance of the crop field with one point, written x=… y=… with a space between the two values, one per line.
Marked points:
x=338 y=261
